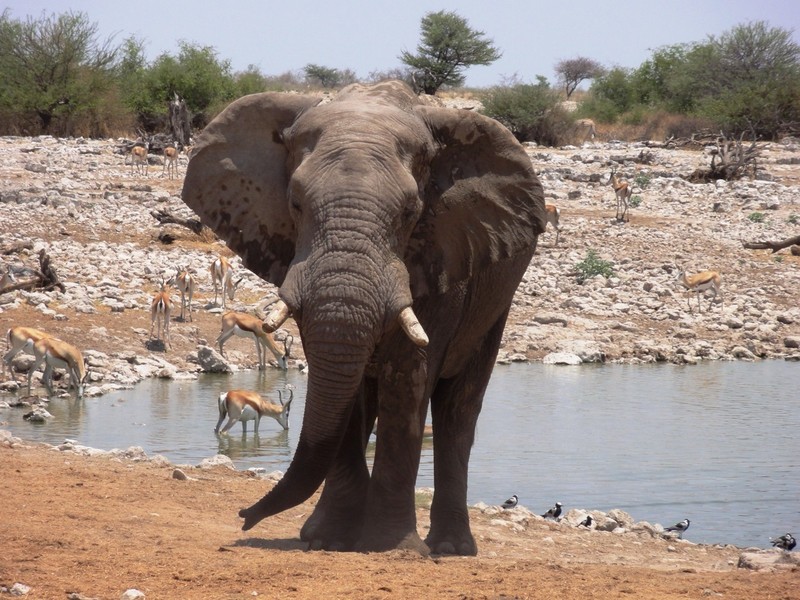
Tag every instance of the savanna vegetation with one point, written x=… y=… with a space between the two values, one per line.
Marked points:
x=60 y=78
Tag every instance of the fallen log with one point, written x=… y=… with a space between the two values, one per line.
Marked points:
x=165 y=217
x=16 y=247
x=20 y=284
x=774 y=246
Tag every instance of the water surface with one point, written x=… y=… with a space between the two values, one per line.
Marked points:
x=715 y=443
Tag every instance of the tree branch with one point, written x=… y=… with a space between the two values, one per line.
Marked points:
x=774 y=246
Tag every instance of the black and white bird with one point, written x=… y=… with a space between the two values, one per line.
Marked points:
x=554 y=512
x=511 y=502
x=785 y=542
x=587 y=522
x=679 y=527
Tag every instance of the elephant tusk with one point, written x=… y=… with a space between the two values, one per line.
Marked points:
x=276 y=317
x=410 y=324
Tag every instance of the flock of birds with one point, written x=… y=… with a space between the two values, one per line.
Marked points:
x=784 y=542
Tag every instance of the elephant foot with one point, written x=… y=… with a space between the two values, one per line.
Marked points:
x=323 y=531
x=411 y=541
x=461 y=544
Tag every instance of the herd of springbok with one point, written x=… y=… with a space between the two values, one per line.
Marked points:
x=241 y=405
x=139 y=158
x=236 y=405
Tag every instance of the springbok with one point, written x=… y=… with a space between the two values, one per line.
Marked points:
x=170 y=161
x=622 y=191
x=139 y=154
x=242 y=405
x=19 y=339
x=222 y=276
x=185 y=284
x=553 y=214
x=57 y=354
x=248 y=326
x=700 y=282
x=160 y=309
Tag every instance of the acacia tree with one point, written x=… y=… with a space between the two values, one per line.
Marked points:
x=53 y=68
x=321 y=75
x=571 y=72
x=448 y=46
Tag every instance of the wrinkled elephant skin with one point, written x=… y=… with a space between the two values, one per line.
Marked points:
x=367 y=210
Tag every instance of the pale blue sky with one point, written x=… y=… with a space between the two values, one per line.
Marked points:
x=368 y=35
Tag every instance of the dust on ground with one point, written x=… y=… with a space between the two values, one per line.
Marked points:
x=98 y=526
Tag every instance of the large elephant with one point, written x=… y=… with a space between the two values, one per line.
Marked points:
x=397 y=233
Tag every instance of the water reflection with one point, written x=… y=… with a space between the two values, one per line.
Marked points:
x=249 y=445
x=714 y=443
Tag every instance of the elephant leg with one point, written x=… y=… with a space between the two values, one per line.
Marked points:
x=455 y=405
x=336 y=521
x=391 y=520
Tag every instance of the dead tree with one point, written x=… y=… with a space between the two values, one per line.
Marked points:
x=51 y=280
x=730 y=160
x=45 y=278
x=179 y=122
x=794 y=242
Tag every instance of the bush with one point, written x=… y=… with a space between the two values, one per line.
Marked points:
x=642 y=180
x=530 y=111
x=593 y=265
x=793 y=219
x=757 y=217
x=635 y=201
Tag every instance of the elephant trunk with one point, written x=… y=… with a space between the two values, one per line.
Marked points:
x=340 y=327
x=344 y=308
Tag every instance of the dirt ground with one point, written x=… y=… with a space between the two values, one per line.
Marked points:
x=95 y=527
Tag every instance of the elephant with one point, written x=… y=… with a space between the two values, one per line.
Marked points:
x=397 y=233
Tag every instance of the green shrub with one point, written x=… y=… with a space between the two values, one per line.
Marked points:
x=635 y=201
x=529 y=111
x=757 y=217
x=642 y=180
x=593 y=265
x=793 y=219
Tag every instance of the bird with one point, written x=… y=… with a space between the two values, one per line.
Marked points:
x=679 y=527
x=785 y=542
x=554 y=512
x=587 y=522
x=511 y=502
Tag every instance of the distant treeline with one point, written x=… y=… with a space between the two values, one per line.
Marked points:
x=59 y=78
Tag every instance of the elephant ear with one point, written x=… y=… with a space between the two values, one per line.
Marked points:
x=236 y=180
x=483 y=201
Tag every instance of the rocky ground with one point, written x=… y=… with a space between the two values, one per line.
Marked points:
x=116 y=524
x=78 y=201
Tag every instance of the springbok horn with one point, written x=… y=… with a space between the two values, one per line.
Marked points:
x=410 y=324
x=287 y=345
x=276 y=318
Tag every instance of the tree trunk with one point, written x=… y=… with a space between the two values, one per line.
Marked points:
x=774 y=246
x=179 y=122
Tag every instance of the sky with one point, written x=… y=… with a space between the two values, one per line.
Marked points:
x=369 y=35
